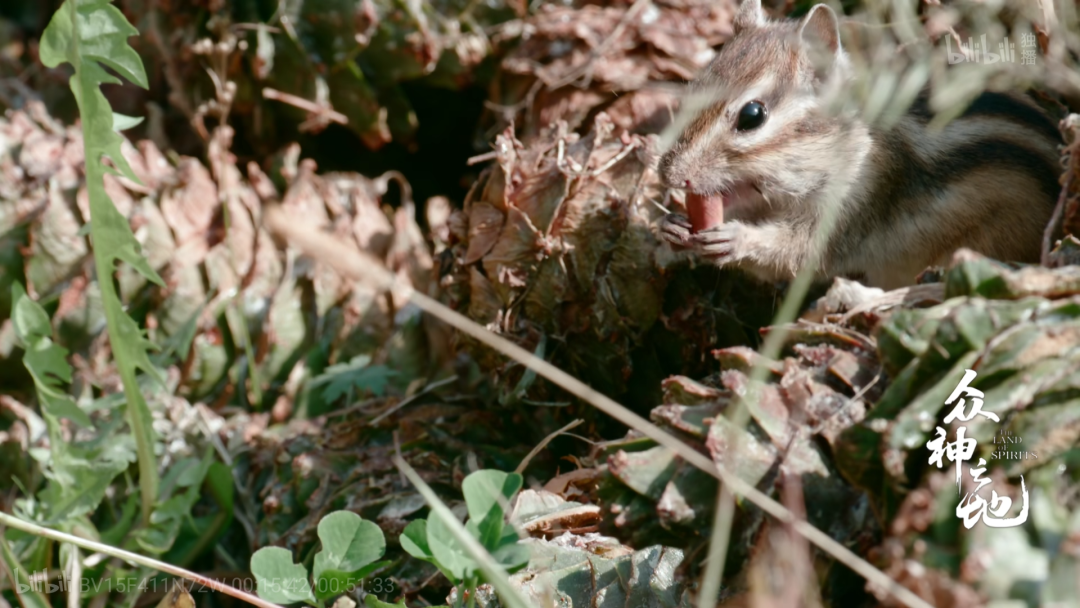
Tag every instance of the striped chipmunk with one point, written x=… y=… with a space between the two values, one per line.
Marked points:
x=764 y=161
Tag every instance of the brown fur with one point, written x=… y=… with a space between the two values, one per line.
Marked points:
x=904 y=199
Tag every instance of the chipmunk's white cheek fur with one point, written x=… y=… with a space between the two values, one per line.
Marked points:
x=790 y=170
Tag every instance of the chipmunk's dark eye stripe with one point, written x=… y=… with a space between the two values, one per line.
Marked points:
x=751 y=116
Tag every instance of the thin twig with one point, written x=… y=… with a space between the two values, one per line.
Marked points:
x=306 y=105
x=510 y=111
x=857 y=396
x=481 y=158
x=615 y=159
x=133 y=558
x=360 y=266
x=406 y=401
x=543 y=444
x=253 y=27
x=1059 y=209
x=356 y=407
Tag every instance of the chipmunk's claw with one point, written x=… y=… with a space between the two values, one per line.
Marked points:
x=676 y=229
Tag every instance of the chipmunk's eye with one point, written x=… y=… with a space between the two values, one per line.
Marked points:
x=751 y=116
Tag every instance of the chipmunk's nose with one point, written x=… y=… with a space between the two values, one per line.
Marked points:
x=672 y=172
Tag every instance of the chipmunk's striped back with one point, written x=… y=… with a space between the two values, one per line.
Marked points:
x=904 y=198
x=988 y=182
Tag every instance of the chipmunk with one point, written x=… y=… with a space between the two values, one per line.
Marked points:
x=767 y=154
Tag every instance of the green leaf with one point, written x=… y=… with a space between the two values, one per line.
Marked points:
x=123 y=123
x=78 y=483
x=30 y=319
x=199 y=534
x=349 y=543
x=486 y=491
x=451 y=557
x=490 y=529
x=102 y=33
x=91 y=34
x=414 y=540
x=45 y=360
x=193 y=474
x=115 y=534
x=499 y=540
x=354 y=375
x=180 y=490
x=95 y=33
x=79 y=474
x=177 y=346
x=220 y=480
x=278 y=579
x=510 y=553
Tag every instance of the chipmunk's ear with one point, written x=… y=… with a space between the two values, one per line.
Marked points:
x=748 y=16
x=821 y=27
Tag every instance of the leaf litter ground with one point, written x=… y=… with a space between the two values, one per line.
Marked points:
x=280 y=366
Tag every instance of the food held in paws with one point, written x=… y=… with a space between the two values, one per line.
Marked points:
x=705 y=211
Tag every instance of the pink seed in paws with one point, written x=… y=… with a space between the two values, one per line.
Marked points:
x=705 y=211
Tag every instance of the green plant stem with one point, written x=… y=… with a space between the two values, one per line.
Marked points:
x=470 y=587
x=101 y=212
x=138 y=414
x=133 y=558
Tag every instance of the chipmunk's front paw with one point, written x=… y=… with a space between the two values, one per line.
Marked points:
x=676 y=230
x=721 y=243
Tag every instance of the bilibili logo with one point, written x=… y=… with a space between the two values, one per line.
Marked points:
x=981 y=51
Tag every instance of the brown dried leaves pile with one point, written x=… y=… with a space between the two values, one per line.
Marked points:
x=573 y=62
x=200 y=228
